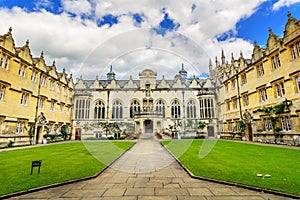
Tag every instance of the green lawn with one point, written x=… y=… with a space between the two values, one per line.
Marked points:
x=60 y=162
x=240 y=163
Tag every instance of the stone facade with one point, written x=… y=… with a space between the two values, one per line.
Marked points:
x=28 y=88
x=145 y=105
x=271 y=78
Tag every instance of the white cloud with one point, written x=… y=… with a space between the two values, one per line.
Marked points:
x=77 y=6
x=79 y=45
x=282 y=3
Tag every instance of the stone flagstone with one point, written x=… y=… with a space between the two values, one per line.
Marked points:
x=147 y=172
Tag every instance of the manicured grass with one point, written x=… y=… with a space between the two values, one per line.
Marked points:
x=240 y=163
x=60 y=162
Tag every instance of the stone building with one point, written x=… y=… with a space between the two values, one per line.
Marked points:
x=268 y=84
x=31 y=93
x=145 y=105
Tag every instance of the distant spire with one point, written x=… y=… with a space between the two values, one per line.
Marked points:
x=182 y=66
x=110 y=75
x=232 y=58
x=223 y=57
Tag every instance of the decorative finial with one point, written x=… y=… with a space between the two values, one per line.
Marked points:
x=289 y=15
x=255 y=43
x=10 y=30
x=27 y=43
x=232 y=58
x=241 y=54
x=111 y=68
x=64 y=70
x=53 y=64
x=182 y=66
x=270 y=30
x=42 y=55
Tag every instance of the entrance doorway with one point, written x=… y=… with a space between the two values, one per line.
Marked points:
x=210 y=130
x=38 y=133
x=78 y=134
x=249 y=129
x=148 y=124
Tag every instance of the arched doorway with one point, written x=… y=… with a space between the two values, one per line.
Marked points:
x=148 y=124
x=78 y=134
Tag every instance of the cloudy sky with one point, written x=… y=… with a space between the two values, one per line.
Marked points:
x=88 y=36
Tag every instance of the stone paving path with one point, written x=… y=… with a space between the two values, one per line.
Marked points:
x=147 y=172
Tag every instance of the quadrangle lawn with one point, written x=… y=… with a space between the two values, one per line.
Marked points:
x=60 y=162
x=241 y=162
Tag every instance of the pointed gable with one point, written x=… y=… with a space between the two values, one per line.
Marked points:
x=52 y=70
x=273 y=42
x=7 y=41
x=178 y=83
x=292 y=28
x=80 y=84
x=130 y=83
x=96 y=84
x=40 y=62
x=24 y=53
x=207 y=83
x=194 y=83
x=258 y=52
x=113 y=84
x=70 y=82
x=63 y=77
x=163 y=83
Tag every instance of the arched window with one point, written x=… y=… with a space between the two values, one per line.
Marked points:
x=117 y=110
x=160 y=107
x=175 y=109
x=134 y=107
x=191 y=109
x=99 y=111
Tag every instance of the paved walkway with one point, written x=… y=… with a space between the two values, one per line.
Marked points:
x=147 y=172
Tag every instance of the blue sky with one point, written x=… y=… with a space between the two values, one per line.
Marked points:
x=87 y=36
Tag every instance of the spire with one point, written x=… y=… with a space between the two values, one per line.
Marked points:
x=183 y=74
x=241 y=54
x=110 y=75
x=209 y=65
x=232 y=58
x=223 y=57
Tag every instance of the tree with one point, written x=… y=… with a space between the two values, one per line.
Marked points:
x=200 y=126
x=64 y=131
